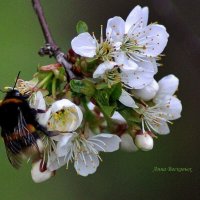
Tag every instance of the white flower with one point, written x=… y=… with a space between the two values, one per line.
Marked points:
x=87 y=46
x=139 y=41
x=144 y=141
x=83 y=151
x=166 y=108
x=26 y=87
x=39 y=176
x=109 y=73
x=134 y=75
x=63 y=116
x=147 y=93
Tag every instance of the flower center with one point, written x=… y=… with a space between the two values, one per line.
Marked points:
x=63 y=120
x=131 y=45
x=105 y=51
x=112 y=76
x=24 y=87
x=82 y=145
x=154 y=116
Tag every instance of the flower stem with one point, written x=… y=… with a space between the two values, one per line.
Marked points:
x=54 y=87
x=45 y=80
x=51 y=47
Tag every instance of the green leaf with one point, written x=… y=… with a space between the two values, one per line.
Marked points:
x=101 y=86
x=102 y=97
x=107 y=97
x=130 y=115
x=84 y=86
x=88 y=64
x=108 y=110
x=115 y=92
x=81 y=27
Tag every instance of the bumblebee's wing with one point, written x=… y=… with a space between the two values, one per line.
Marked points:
x=22 y=139
x=27 y=132
x=15 y=159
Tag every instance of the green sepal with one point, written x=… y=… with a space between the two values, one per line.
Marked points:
x=84 y=86
x=87 y=65
x=102 y=97
x=81 y=27
x=101 y=86
x=130 y=115
x=107 y=97
x=108 y=110
x=115 y=92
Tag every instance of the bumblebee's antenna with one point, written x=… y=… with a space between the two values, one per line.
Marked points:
x=16 y=79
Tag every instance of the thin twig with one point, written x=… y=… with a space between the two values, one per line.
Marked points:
x=50 y=47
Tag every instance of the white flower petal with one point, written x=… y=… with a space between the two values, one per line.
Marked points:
x=85 y=45
x=37 y=101
x=124 y=62
x=135 y=19
x=115 y=29
x=127 y=100
x=91 y=106
x=127 y=143
x=40 y=145
x=60 y=104
x=118 y=117
x=39 y=176
x=43 y=117
x=167 y=86
x=147 y=93
x=145 y=15
x=102 y=68
x=139 y=78
x=171 y=105
x=64 y=144
x=162 y=129
x=149 y=61
x=156 y=39
x=55 y=162
x=105 y=142
x=86 y=164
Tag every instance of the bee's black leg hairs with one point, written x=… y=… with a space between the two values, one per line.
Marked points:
x=45 y=131
x=42 y=128
x=40 y=111
x=37 y=111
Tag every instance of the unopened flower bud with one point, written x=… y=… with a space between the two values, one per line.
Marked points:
x=39 y=175
x=144 y=142
x=148 y=92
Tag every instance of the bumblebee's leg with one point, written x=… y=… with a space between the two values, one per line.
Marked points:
x=40 y=127
x=40 y=111
x=45 y=131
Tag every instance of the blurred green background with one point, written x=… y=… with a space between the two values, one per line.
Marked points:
x=121 y=176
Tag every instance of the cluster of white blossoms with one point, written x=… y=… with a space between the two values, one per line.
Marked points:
x=114 y=104
x=79 y=146
x=128 y=53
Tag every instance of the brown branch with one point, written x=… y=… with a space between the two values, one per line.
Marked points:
x=50 y=47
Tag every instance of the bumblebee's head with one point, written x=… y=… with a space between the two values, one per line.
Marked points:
x=12 y=94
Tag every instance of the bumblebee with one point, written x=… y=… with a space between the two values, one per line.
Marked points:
x=19 y=128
